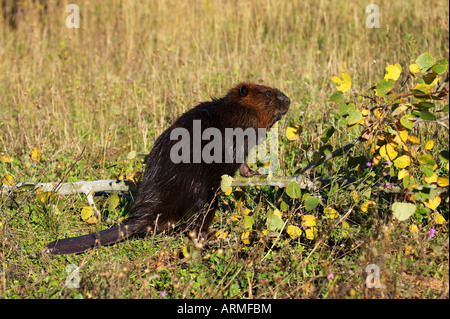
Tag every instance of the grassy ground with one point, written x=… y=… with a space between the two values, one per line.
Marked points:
x=87 y=97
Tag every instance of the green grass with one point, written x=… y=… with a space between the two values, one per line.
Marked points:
x=66 y=92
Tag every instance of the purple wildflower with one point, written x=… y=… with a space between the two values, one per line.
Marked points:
x=369 y=164
x=162 y=294
x=129 y=79
x=330 y=275
x=432 y=233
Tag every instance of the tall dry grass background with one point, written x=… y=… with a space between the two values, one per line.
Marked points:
x=63 y=87
x=132 y=67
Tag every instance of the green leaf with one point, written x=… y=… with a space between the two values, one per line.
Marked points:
x=429 y=78
x=293 y=190
x=336 y=97
x=311 y=202
x=346 y=108
x=248 y=222
x=445 y=109
x=316 y=157
x=424 y=105
x=426 y=115
x=325 y=149
x=402 y=211
x=131 y=155
x=406 y=122
x=425 y=61
x=225 y=184
x=274 y=222
x=427 y=159
x=440 y=66
x=113 y=201
x=354 y=117
x=427 y=170
x=408 y=181
x=443 y=155
x=384 y=87
x=327 y=134
x=284 y=207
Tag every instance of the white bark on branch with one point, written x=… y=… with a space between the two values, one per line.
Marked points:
x=124 y=186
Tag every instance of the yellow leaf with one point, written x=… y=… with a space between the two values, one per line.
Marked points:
x=365 y=112
x=446 y=166
x=429 y=145
x=409 y=250
x=293 y=231
x=414 y=230
x=402 y=174
x=228 y=192
x=6 y=159
x=438 y=218
x=433 y=203
x=402 y=161
x=377 y=113
x=389 y=151
x=330 y=213
x=368 y=206
x=442 y=181
x=86 y=212
x=414 y=68
x=8 y=180
x=308 y=220
x=414 y=139
x=311 y=233
x=276 y=212
x=35 y=154
x=401 y=108
x=246 y=211
x=403 y=135
x=376 y=159
x=293 y=132
x=432 y=179
x=393 y=72
x=221 y=234
x=344 y=84
x=92 y=220
x=45 y=196
x=355 y=196
x=245 y=237
x=345 y=228
x=235 y=217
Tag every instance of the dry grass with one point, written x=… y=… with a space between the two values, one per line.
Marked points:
x=116 y=83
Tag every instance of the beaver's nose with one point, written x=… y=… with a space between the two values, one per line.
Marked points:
x=284 y=98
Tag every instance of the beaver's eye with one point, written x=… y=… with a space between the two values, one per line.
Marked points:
x=268 y=94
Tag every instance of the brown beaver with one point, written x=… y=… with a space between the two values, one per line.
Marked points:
x=172 y=193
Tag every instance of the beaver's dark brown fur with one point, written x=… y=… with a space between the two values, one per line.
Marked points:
x=170 y=192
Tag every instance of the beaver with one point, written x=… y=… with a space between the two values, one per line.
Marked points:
x=174 y=191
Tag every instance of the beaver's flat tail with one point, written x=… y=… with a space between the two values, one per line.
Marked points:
x=81 y=244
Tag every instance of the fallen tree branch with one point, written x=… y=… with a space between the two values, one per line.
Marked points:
x=335 y=153
x=124 y=186
x=439 y=121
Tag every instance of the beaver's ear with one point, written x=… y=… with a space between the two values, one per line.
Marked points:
x=243 y=90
